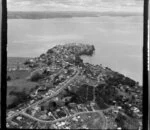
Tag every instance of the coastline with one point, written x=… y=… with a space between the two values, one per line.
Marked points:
x=88 y=52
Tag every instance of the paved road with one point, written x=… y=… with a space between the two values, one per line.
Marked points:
x=63 y=118
x=60 y=119
x=44 y=99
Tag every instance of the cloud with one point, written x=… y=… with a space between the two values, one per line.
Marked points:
x=71 y=5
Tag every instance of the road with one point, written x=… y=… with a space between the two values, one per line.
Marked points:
x=60 y=119
x=47 y=98
x=65 y=84
x=63 y=118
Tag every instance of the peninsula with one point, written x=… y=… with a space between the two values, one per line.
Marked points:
x=57 y=90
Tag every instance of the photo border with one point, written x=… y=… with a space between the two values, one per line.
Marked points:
x=4 y=64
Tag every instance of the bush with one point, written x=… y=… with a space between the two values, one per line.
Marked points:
x=21 y=97
x=36 y=75
x=8 y=78
x=27 y=62
x=42 y=55
x=126 y=122
x=49 y=62
x=50 y=51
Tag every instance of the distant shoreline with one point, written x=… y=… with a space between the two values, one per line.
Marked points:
x=51 y=15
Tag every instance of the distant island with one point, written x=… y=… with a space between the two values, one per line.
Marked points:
x=66 y=14
x=57 y=90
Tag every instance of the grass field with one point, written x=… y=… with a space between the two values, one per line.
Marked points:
x=18 y=86
x=18 y=82
x=90 y=120
x=14 y=61
x=18 y=74
x=95 y=121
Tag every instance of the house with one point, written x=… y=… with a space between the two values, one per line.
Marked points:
x=31 y=101
x=84 y=127
x=31 y=60
x=119 y=107
x=36 y=108
x=116 y=111
x=49 y=113
x=74 y=118
x=19 y=118
x=54 y=126
x=66 y=99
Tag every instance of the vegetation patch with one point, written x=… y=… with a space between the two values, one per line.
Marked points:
x=18 y=91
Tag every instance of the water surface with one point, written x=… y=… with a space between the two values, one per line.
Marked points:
x=117 y=40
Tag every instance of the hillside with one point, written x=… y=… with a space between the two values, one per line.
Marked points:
x=64 y=85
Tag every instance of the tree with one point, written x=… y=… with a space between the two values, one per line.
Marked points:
x=8 y=78
x=36 y=75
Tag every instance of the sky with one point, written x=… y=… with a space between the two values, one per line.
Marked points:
x=75 y=5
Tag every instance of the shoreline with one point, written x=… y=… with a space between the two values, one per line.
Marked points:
x=80 y=14
x=87 y=53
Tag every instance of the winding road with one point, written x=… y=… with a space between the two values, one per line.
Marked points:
x=64 y=85
x=64 y=118
x=47 y=98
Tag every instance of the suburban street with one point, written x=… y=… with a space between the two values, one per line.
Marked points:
x=65 y=84
x=63 y=118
